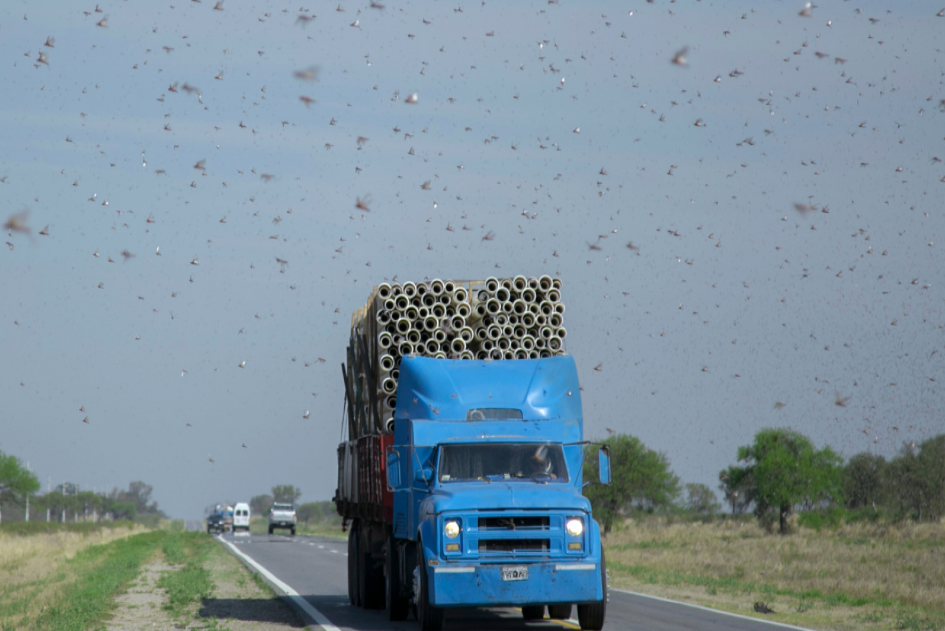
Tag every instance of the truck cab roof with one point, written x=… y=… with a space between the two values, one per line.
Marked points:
x=484 y=390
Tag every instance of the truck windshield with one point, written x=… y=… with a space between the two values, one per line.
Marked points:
x=502 y=461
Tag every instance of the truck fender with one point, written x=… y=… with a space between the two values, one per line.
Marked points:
x=426 y=537
x=427 y=534
x=597 y=552
x=595 y=538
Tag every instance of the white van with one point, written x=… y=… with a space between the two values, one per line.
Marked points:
x=241 y=516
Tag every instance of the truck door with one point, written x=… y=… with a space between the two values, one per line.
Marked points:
x=421 y=483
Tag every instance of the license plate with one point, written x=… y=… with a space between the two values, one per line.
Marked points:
x=515 y=573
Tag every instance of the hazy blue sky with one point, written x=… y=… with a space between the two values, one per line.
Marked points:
x=556 y=126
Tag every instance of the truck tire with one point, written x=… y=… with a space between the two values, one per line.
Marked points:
x=591 y=615
x=533 y=612
x=293 y=531
x=430 y=617
x=354 y=594
x=370 y=578
x=270 y=530
x=559 y=612
x=397 y=604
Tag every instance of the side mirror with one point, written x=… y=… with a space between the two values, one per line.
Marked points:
x=603 y=457
x=393 y=468
x=423 y=475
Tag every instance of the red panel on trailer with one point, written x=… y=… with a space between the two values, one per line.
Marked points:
x=362 y=487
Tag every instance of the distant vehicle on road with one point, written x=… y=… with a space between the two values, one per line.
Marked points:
x=221 y=520
x=215 y=523
x=282 y=516
x=241 y=516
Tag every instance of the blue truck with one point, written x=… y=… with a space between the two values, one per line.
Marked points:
x=463 y=486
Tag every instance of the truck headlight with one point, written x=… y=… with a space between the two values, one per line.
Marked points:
x=451 y=530
x=575 y=527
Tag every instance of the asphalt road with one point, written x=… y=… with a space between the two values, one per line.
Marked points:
x=312 y=571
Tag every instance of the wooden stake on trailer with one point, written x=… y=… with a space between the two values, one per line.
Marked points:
x=348 y=402
x=372 y=386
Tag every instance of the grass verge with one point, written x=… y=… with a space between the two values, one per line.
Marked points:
x=55 y=576
x=191 y=583
x=858 y=576
x=38 y=563
x=100 y=571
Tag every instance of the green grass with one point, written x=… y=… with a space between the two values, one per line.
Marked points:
x=733 y=585
x=191 y=583
x=913 y=620
x=851 y=577
x=14 y=599
x=80 y=592
x=102 y=571
x=647 y=545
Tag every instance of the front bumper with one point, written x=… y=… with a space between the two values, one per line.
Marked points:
x=474 y=585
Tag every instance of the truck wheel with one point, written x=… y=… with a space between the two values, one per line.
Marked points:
x=591 y=616
x=370 y=579
x=270 y=530
x=353 y=593
x=430 y=617
x=559 y=612
x=533 y=612
x=293 y=531
x=397 y=604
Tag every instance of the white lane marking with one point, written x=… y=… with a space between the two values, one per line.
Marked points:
x=315 y=614
x=726 y=613
x=320 y=547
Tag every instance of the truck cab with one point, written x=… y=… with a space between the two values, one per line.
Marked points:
x=486 y=471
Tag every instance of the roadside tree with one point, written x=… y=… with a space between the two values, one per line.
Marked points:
x=124 y=510
x=286 y=493
x=89 y=501
x=701 y=499
x=259 y=504
x=788 y=472
x=932 y=477
x=738 y=487
x=914 y=481
x=641 y=479
x=863 y=480
x=139 y=494
x=16 y=481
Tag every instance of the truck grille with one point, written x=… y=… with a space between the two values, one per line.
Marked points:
x=513 y=545
x=496 y=536
x=513 y=523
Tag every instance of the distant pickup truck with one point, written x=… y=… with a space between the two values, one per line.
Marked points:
x=282 y=516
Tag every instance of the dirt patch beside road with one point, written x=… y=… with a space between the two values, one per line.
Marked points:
x=140 y=607
x=238 y=602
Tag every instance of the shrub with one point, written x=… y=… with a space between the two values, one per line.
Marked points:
x=831 y=518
